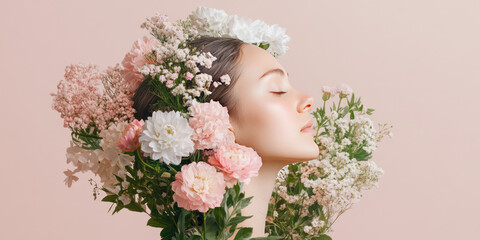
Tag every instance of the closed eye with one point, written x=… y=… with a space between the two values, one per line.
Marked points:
x=279 y=93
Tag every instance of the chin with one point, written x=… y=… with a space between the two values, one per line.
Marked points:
x=305 y=151
x=310 y=150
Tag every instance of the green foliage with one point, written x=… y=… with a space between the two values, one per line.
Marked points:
x=264 y=45
x=166 y=100
x=86 y=138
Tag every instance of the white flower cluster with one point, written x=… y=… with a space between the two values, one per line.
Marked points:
x=317 y=224
x=173 y=49
x=216 y=22
x=104 y=163
x=335 y=178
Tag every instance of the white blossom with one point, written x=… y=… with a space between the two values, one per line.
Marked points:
x=216 y=22
x=166 y=136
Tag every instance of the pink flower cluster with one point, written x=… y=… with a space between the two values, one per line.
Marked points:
x=89 y=97
x=198 y=186
x=210 y=122
x=136 y=58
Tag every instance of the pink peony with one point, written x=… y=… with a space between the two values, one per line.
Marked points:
x=236 y=161
x=198 y=186
x=136 y=59
x=128 y=142
x=210 y=122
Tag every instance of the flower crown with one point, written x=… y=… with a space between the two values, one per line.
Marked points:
x=181 y=165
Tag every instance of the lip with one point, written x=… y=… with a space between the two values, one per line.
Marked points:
x=308 y=127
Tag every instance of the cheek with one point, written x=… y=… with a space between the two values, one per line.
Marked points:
x=272 y=123
x=272 y=128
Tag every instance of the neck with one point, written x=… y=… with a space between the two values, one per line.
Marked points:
x=261 y=188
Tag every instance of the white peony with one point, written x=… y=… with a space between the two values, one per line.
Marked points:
x=275 y=35
x=166 y=136
x=217 y=23
x=210 y=21
x=245 y=29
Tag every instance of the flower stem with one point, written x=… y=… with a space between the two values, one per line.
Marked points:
x=172 y=169
x=204 y=226
x=338 y=107
x=143 y=162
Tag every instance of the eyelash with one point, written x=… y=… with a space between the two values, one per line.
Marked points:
x=279 y=92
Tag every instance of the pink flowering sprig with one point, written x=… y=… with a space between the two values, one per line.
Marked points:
x=89 y=100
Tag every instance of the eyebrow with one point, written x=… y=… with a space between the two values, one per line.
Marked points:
x=274 y=70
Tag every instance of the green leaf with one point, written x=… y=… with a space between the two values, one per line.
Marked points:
x=267 y=238
x=167 y=233
x=131 y=171
x=160 y=221
x=219 y=213
x=291 y=179
x=117 y=208
x=236 y=187
x=181 y=220
x=244 y=202
x=237 y=219
x=241 y=205
x=362 y=155
x=323 y=237
x=212 y=228
x=243 y=233
x=110 y=198
x=264 y=45
x=118 y=178
x=195 y=237
x=134 y=206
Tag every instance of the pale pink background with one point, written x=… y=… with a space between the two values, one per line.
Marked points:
x=417 y=62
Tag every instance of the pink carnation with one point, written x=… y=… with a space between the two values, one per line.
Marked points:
x=128 y=142
x=236 y=161
x=198 y=186
x=136 y=59
x=210 y=122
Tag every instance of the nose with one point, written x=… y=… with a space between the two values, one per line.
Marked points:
x=306 y=104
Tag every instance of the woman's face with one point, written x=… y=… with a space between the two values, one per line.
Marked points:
x=268 y=120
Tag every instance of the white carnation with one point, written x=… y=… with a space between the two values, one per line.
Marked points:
x=166 y=137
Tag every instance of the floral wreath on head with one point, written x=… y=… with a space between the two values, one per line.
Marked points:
x=181 y=166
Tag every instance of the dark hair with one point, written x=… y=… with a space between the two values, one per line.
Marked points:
x=227 y=51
